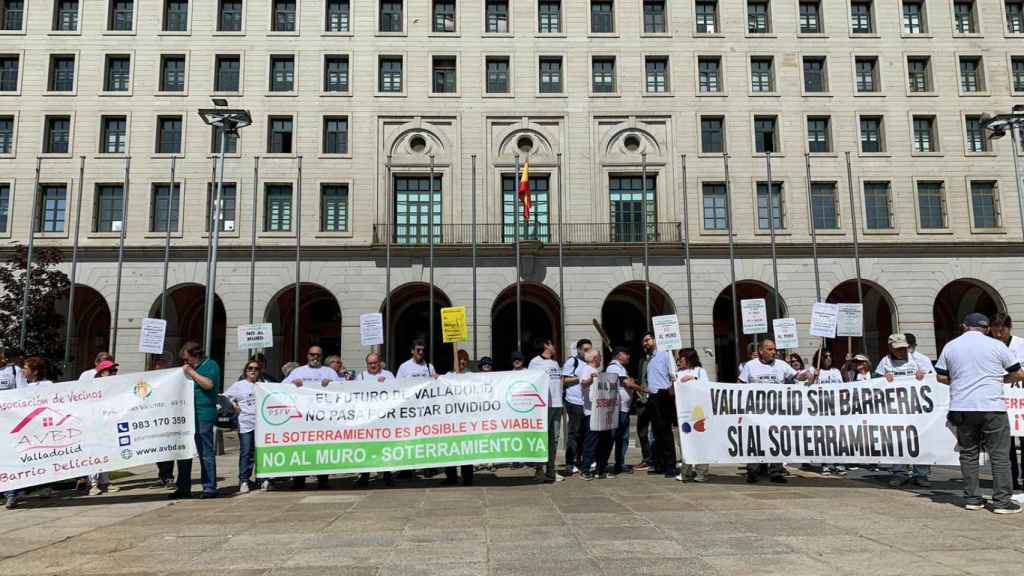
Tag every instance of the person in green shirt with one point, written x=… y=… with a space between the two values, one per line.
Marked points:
x=205 y=376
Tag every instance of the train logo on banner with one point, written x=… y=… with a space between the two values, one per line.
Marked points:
x=523 y=397
x=278 y=408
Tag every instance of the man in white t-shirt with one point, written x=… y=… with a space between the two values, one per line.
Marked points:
x=10 y=374
x=546 y=361
x=312 y=373
x=375 y=371
x=577 y=423
x=976 y=367
x=900 y=364
x=620 y=359
x=416 y=366
x=1001 y=328
x=923 y=361
x=91 y=372
x=766 y=369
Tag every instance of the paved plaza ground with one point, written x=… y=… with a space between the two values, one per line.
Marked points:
x=508 y=524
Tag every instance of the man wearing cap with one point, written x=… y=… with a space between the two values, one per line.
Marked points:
x=1001 y=328
x=976 y=367
x=898 y=364
x=620 y=438
x=91 y=372
x=486 y=364
x=518 y=360
x=546 y=361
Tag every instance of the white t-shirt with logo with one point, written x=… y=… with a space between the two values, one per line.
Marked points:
x=828 y=375
x=554 y=372
x=976 y=364
x=898 y=368
x=624 y=397
x=757 y=372
x=410 y=369
x=585 y=372
x=243 y=393
x=365 y=376
x=311 y=376
x=924 y=362
x=572 y=367
x=11 y=378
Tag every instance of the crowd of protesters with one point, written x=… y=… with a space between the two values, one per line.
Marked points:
x=975 y=365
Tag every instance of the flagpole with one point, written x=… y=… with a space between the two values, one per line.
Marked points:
x=473 y=234
x=70 y=319
x=167 y=239
x=120 y=253
x=686 y=252
x=771 y=228
x=853 y=229
x=561 y=268
x=28 y=257
x=732 y=259
x=298 y=263
x=387 y=258
x=252 y=249
x=430 y=241
x=515 y=236
x=814 y=230
x=643 y=231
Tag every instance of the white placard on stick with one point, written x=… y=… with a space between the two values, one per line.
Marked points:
x=785 y=333
x=823 y=320
x=252 y=336
x=850 y=320
x=151 y=340
x=755 y=316
x=666 y=332
x=371 y=329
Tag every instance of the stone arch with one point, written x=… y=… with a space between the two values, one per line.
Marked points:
x=186 y=318
x=622 y=316
x=880 y=319
x=616 y=146
x=957 y=299
x=90 y=329
x=319 y=323
x=410 y=306
x=542 y=147
x=541 y=311
x=722 y=314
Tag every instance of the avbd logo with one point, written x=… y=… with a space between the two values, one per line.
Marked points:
x=278 y=408
x=523 y=397
x=46 y=432
x=695 y=422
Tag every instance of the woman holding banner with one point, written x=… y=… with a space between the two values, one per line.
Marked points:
x=243 y=396
x=688 y=369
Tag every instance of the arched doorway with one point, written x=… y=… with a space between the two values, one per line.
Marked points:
x=540 y=318
x=722 y=315
x=410 y=306
x=958 y=299
x=91 y=329
x=186 y=320
x=622 y=317
x=879 y=320
x=319 y=324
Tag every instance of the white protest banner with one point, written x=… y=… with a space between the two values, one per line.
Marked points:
x=53 y=432
x=252 y=336
x=785 y=333
x=755 y=316
x=405 y=424
x=371 y=329
x=850 y=320
x=1013 y=395
x=823 y=320
x=867 y=422
x=666 y=332
x=151 y=339
x=604 y=402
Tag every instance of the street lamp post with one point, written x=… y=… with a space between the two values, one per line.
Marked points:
x=997 y=126
x=228 y=121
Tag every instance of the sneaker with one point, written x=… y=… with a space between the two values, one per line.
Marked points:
x=680 y=478
x=243 y=488
x=642 y=466
x=95 y=491
x=779 y=479
x=1010 y=507
x=559 y=477
x=110 y=488
x=208 y=495
x=587 y=476
x=601 y=476
x=11 y=501
x=898 y=481
x=826 y=472
x=974 y=506
x=610 y=476
x=922 y=482
x=699 y=477
x=266 y=485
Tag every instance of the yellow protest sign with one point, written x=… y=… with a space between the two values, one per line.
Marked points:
x=453 y=324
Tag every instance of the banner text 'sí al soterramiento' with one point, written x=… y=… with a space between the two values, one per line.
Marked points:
x=53 y=432
x=409 y=423
x=870 y=422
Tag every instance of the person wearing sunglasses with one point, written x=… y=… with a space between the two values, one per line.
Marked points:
x=416 y=366
x=243 y=395
x=313 y=372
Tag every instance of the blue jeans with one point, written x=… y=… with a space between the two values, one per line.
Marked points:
x=207 y=461
x=246 y=456
x=621 y=436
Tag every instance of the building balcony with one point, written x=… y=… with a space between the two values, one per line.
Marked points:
x=597 y=233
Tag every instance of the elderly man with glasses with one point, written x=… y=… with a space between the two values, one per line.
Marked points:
x=311 y=373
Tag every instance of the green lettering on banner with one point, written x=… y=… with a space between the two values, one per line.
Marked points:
x=338 y=457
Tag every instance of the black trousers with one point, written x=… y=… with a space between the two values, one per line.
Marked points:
x=1015 y=469
x=643 y=428
x=576 y=432
x=452 y=474
x=662 y=410
x=165 y=470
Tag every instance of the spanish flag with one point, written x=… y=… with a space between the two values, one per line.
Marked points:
x=524 y=190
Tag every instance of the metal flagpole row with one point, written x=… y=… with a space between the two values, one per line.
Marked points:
x=732 y=259
x=70 y=316
x=643 y=232
x=473 y=233
x=771 y=228
x=430 y=242
x=561 y=268
x=120 y=253
x=853 y=229
x=211 y=273
x=28 y=257
x=515 y=236
x=171 y=203
x=1016 y=170
x=298 y=264
x=252 y=248
x=814 y=228
x=686 y=253
x=387 y=259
